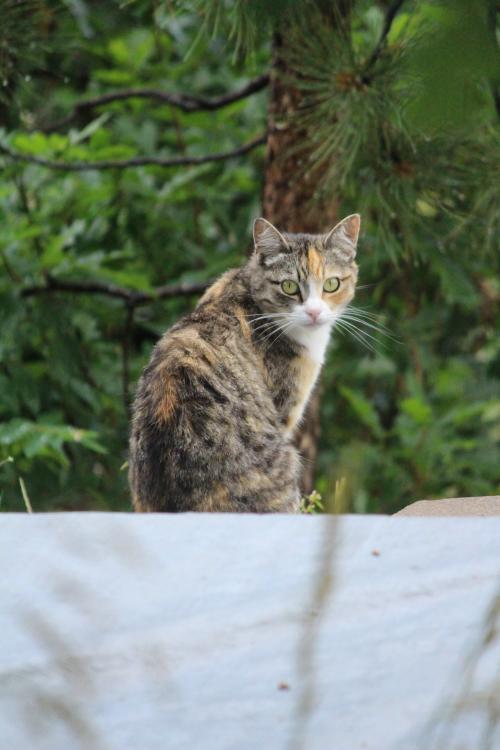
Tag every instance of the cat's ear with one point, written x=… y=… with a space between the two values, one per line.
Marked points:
x=266 y=238
x=346 y=231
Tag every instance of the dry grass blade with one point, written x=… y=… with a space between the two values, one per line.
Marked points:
x=322 y=586
x=25 y=495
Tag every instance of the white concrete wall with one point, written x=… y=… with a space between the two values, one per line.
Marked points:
x=123 y=632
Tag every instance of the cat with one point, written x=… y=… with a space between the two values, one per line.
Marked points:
x=217 y=405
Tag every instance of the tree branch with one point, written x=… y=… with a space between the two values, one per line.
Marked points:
x=494 y=83
x=390 y=15
x=184 y=102
x=136 y=161
x=132 y=297
x=127 y=333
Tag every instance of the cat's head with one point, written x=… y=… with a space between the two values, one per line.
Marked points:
x=309 y=279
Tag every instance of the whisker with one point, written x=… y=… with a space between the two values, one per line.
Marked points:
x=270 y=319
x=360 y=331
x=365 y=344
x=263 y=325
x=380 y=328
x=381 y=331
x=276 y=329
x=361 y=314
x=267 y=315
x=356 y=335
x=368 y=341
x=363 y=311
x=347 y=332
x=283 y=331
x=253 y=315
x=270 y=329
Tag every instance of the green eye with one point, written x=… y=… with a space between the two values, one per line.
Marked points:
x=289 y=286
x=331 y=284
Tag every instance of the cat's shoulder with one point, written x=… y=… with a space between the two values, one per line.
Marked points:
x=224 y=288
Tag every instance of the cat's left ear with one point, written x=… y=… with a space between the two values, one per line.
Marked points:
x=266 y=238
x=346 y=231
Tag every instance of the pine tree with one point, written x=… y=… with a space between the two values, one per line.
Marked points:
x=361 y=119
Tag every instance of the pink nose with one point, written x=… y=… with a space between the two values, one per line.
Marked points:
x=314 y=314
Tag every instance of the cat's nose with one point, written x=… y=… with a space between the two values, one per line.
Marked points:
x=313 y=313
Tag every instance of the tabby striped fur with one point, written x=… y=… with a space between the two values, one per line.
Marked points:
x=218 y=403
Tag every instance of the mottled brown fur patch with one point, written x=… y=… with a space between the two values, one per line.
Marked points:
x=314 y=262
x=242 y=319
x=253 y=422
x=167 y=400
x=139 y=506
x=217 y=289
x=217 y=404
x=343 y=295
x=217 y=500
x=188 y=348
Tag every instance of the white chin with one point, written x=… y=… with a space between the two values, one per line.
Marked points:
x=315 y=324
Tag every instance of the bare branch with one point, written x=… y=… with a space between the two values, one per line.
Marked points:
x=136 y=161
x=132 y=297
x=390 y=15
x=184 y=102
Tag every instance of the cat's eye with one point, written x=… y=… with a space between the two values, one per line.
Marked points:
x=289 y=286
x=331 y=284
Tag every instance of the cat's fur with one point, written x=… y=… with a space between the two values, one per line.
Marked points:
x=218 y=403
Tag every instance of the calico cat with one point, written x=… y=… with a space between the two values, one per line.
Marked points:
x=218 y=403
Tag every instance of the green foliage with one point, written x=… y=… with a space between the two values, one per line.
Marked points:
x=62 y=356
x=246 y=24
x=411 y=144
x=415 y=123
x=312 y=504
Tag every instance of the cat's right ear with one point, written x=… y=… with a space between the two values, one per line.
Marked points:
x=266 y=238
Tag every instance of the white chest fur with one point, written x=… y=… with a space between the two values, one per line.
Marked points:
x=307 y=368
x=314 y=340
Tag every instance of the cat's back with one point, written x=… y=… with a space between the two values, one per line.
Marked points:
x=203 y=417
x=212 y=343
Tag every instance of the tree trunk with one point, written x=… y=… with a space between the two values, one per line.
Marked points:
x=289 y=202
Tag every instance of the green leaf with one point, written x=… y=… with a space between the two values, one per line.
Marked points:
x=417 y=409
x=363 y=409
x=89 y=130
x=14 y=431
